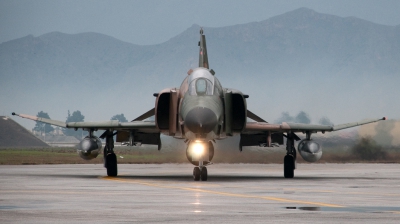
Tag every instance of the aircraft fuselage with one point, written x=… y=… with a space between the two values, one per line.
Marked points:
x=201 y=108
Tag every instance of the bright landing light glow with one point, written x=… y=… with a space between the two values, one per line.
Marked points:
x=198 y=149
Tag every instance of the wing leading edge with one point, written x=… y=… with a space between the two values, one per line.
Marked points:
x=296 y=127
x=103 y=125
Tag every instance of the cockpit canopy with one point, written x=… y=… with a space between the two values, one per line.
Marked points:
x=202 y=83
x=201 y=87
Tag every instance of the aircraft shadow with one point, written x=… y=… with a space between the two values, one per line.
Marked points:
x=237 y=178
x=211 y=178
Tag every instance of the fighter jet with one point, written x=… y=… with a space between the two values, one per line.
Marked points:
x=199 y=112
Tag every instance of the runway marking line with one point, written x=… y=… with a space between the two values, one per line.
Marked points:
x=60 y=192
x=116 y=179
x=349 y=193
x=321 y=191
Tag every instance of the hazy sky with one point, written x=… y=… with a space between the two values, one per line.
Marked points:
x=155 y=21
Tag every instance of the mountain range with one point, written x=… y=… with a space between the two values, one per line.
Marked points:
x=343 y=68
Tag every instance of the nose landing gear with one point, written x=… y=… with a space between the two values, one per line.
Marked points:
x=204 y=174
x=200 y=154
x=200 y=173
x=196 y=173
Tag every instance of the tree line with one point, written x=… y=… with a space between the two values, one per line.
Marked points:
x=301 y=117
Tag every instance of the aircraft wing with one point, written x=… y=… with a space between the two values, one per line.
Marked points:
x=146 y=126
x=263 y=133
x=296 y=127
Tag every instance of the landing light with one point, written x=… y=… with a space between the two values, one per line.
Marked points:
x=198 y=151
x=198 y=148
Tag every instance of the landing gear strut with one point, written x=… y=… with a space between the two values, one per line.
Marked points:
x=289 y=162
x=110 y=159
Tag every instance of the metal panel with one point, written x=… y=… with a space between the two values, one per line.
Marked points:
x=162 y=111
x=173 y=112
x=265 y=139
x=239 y=111
x=228 y=113
x=122 y=136
x=139 y=137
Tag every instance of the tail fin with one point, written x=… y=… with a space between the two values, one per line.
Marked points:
x=203 y=57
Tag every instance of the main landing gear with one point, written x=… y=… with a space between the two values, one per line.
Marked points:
x=200 y=172
x=110 y=159
x=289 y=162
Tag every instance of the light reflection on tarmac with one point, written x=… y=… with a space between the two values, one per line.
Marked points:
x=234 y=193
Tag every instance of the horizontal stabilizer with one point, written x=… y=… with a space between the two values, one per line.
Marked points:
x=253 y=116
x=146 y=115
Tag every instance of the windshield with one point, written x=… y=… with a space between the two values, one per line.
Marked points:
x=201 y=87
x=201 y=83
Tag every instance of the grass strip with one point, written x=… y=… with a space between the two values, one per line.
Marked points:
x=150 y=155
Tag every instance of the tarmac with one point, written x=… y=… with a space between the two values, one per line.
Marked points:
x=234 y=193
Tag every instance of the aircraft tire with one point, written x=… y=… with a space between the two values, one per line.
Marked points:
x=105 y=156
x=288 y=166
x=111 y=161
x=196 y=173
x=204 y=174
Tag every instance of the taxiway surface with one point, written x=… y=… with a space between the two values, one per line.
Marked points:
x=234 y=193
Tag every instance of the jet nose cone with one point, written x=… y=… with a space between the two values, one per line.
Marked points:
x=201 y=120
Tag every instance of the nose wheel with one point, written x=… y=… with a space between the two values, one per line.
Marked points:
x=200 y=173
